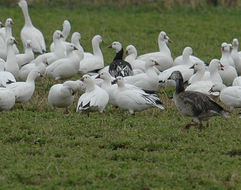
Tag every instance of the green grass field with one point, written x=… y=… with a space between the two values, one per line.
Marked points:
x=41 y=149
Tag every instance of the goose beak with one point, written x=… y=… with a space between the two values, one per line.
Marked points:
x=97 y=77
x=75 y=48
x=109 y=46
x=15 y=41
x=210 y=91
x=222 y=66
x=61 y=36
x=170 y=41
x=156 y=63
x=2 y=25
x=11 y=22
x=126 y=52
x=192 y=67
x=81 y=79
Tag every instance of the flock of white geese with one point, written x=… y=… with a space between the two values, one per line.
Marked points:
x=129 y=83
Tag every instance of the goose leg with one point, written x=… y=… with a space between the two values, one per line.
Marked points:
x=190 y=124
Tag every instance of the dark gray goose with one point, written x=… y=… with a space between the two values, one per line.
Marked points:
x=118 y=66
x=194 y=104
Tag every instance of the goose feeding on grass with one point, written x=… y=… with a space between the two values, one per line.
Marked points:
x=119 y=67
x=6 y=77
x=94 y=99
x=95 y=62
x=163 y=56
x=228 y=73
x=29 y=32
x=64 y=68
x=23 y=91
x=194 y=104
x=27 y=56
x=11 y=64
x=7 y=99
x=59 y=51
x=62 y=95
x=39 y=64
x=65 y=32
x=134 y=100
x=230 y=96
x=132 y=58
x=148 y=80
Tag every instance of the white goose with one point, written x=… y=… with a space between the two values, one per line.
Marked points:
x=204 y=86
x=62 y=95
x=6 y=77
x=23 y=91
x=76 y=36
x=199 y=69
x=95 y=62
x=2 y=31
x=39 y=64
x=64 y=68
x=59 y=51
x=65 y=32
x=148 y=80
x=228 y=73
x=163 y=56
x=134 y=100
x=27 y=56
x=7 y=99
x=11 y=64
x=29 y=32
x=235 y=55
x=237 y=81
x=183 y=68
x=132 y=58
x=8 y=31
x=230 y=96
x=94 y=99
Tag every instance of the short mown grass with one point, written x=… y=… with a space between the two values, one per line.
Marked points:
x=41 y=149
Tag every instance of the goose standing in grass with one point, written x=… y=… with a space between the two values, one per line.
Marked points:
x=39 y=64
x=65 y=32
x=148 y=81
x=94 y=99
x=163 y=56
x=6 y=77
x=134 y=100
x=228 y=73
x=25 y=57
x=23 y=91
x=11 y=64
x=64 y=68
x=235 y=56
x=59 y=51
x=119 y=67
x=230 y=96
x=194 y=104
x=29 y=32
x=132 y=58
x=7 y=99
x=62 y=95
x=95 y=62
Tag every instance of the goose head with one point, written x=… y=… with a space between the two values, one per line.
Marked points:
x=76 y=36
x=104 y=75
x=97 y=38
x=57 y=35
x=235 y=42
x=163 y=37
x=22 y=4
x=9 y=22
x=130 y=49
x=117 y=46
x=11 y=41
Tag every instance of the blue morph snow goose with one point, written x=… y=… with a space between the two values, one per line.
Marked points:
x=62 y=95
x=29 y=32
x=94 y=99
x=134 y=99
x=119 y=67
x=194 y=104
